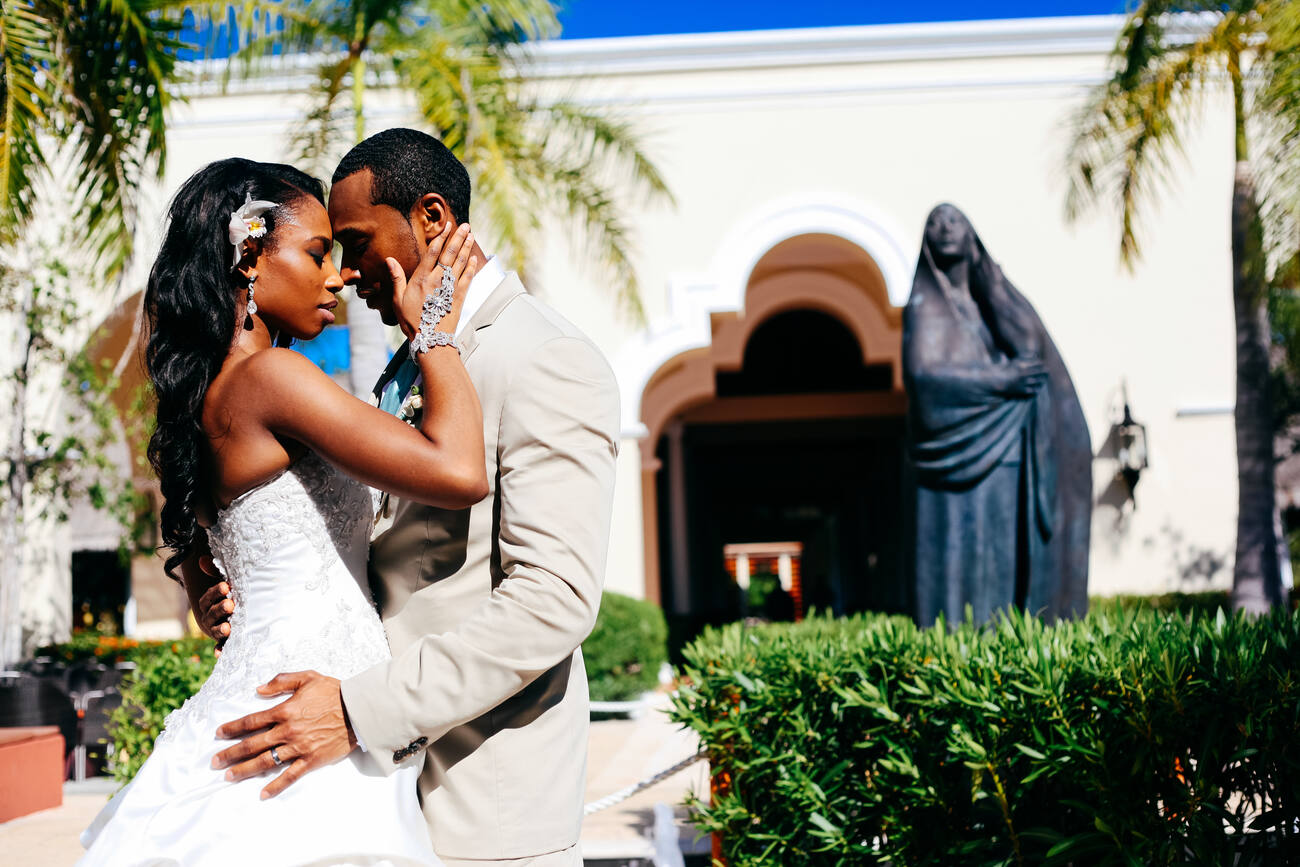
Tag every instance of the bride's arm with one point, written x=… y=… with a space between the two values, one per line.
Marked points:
x=442 y=463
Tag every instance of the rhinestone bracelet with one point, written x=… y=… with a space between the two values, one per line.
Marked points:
x=428 y=338
x=435 y=307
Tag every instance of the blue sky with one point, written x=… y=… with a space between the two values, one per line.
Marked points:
x=585 y=19
x=595 y=18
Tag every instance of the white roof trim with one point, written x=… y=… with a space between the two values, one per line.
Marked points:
x=1093 y=34
x=813 y=46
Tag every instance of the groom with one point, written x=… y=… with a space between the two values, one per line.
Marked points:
x=485 y=608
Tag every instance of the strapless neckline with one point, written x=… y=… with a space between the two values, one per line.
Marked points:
x=265 y=483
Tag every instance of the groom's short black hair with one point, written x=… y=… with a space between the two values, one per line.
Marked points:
x=404 y=165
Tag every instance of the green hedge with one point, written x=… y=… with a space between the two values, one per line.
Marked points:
x=625 y=651
x=1131 y=737
x=166 y=674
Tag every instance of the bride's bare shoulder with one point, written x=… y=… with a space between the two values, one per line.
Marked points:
x=275 y=369
x=248 y=387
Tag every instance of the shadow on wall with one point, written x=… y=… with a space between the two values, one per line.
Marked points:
x=1115 y=501
x=1191 y=567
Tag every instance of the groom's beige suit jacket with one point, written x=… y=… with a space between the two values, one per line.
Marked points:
x=486 y=607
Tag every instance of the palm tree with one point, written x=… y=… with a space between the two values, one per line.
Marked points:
x=83 y=92
x=1168 y=57
x=465 y=63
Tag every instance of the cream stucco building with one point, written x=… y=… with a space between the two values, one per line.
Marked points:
x=804 y=163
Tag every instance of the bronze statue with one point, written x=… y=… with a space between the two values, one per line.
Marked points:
x=1000 y=458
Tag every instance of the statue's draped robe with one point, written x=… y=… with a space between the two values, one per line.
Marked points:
x=1001 y=482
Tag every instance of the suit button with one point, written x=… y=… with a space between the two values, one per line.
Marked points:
x=419 y=742
x=398 y=755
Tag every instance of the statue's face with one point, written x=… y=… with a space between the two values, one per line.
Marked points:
x=947 y=233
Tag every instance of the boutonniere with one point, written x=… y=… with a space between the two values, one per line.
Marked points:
x=409 y=411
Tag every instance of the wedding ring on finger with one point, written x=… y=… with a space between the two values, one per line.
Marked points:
x=275 y=757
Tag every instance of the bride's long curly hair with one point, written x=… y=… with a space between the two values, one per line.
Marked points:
x=191 y=302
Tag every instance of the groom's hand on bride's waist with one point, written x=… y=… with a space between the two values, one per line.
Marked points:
x=308 y=730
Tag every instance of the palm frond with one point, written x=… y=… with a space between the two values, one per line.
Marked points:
x=460 y=91
x=267 y=29
x=598 y=219
x=314 y=137
x=605 y=140
x=1129 y=131
x=502 y=159
x=499 y=23
x=1276 y=117
x=461 y=61
x=119 y=59
x=26 y=39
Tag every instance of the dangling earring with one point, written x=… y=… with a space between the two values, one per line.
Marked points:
x=252 y=305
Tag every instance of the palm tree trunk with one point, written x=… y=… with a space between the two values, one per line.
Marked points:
x=1256 y=576
x=1256 y=584
x=11 y=514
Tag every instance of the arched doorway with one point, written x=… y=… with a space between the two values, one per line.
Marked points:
x=786 y=430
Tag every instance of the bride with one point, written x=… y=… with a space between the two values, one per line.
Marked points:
x=260 y=450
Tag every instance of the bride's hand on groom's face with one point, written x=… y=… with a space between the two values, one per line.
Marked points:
x=449 y=249
x=308 y=730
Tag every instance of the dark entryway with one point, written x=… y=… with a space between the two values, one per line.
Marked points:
x=101 y=588
x=831 y=483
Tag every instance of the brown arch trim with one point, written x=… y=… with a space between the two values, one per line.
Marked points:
x=688 y=380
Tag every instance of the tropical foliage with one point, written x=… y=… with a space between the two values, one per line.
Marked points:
x=1171 y=58
x=531 y=153
x=85 y=87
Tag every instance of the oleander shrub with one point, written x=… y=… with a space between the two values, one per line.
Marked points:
x=166 y=674
x=626 y=649
x=1129 y=737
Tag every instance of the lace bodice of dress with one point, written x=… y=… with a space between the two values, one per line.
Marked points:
x=294 y=553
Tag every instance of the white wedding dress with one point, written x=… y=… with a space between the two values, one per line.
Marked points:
x=294 y=552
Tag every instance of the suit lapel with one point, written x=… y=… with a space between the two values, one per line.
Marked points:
x=509 y=290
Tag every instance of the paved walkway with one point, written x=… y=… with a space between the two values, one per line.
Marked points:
x=622 y=751
x=50 y=836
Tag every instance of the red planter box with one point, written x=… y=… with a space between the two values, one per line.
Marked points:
x=31 y=770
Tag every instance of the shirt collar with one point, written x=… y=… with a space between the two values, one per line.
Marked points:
x=485 y=282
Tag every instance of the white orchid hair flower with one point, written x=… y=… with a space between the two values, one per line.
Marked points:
x=248 y=222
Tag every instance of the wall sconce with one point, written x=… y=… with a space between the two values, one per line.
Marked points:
x=1131 y=447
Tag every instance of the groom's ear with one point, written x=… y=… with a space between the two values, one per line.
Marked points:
x=430 y=214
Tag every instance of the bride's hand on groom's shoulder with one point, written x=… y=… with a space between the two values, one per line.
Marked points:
x=450 y=250
x=306 y=731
